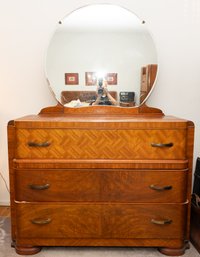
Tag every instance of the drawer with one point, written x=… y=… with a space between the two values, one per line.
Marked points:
x=101 y=185
x=101 y=144
x=100 y=220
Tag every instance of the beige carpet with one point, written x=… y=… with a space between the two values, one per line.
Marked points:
x=7 y=251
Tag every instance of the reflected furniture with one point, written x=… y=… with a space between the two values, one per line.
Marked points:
x=100 y=176
x=83 y=96
x=127 y=99
x=127 y=104
x=148 y=76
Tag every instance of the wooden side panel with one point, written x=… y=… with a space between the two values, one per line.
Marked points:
x=11 y=156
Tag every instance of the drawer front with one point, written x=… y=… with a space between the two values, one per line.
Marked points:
x=100 y=221
x=101 y=185
x=101 y=144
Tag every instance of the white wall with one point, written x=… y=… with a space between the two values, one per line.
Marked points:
x=27 y=26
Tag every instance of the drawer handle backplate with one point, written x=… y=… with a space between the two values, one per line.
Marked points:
x=35 y=144
x=161 y=222
x=158 y=188
x=160 y=145
x=41 y=221
x=39 y=187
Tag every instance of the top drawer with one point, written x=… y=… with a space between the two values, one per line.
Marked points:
x=100 y=144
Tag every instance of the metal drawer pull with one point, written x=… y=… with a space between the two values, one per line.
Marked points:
x=41 y=221
x=35 y=144
x=162 y=145
x=161 y=222
x=39 y=187
x=157 y=188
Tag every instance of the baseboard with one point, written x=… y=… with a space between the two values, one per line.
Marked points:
x=5 y=203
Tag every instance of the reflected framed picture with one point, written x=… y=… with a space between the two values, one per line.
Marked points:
x=111 y=78
x=90 y=78
x=71 y=79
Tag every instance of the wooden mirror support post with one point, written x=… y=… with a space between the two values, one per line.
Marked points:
x=100 y=176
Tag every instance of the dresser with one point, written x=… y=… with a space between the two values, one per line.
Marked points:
x=100 y=176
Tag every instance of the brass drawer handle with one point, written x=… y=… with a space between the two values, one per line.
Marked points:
x=161 y=222
x=158 y=188
x=39 y=187
x=162 y=145
x=41 y=221
x=35 y=144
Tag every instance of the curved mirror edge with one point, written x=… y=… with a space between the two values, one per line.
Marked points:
x=78 y=85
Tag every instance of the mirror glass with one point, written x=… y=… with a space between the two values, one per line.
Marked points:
x=101 y=49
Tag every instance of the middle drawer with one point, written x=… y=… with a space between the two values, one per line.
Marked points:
x=101 y=185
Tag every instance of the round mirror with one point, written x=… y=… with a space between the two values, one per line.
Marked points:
x=101 y=49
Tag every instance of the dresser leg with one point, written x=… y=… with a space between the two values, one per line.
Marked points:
x=27 y=250
x=174 y=251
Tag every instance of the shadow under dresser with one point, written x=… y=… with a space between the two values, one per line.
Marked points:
x=79 y=179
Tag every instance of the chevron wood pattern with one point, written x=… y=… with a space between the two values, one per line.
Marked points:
x=100 y=144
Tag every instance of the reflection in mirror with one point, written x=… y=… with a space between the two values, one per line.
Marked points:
x=99 y=51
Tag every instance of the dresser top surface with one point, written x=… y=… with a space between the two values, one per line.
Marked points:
x=98 y=121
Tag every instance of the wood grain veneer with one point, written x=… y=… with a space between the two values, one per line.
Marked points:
x=105 y=220
x=100 y=185
x=91 y=177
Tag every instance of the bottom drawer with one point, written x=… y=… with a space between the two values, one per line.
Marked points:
x=100 y=220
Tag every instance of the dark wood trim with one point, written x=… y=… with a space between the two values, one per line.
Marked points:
x=11 y=154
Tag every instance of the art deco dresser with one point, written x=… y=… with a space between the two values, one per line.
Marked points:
x=100 y=176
